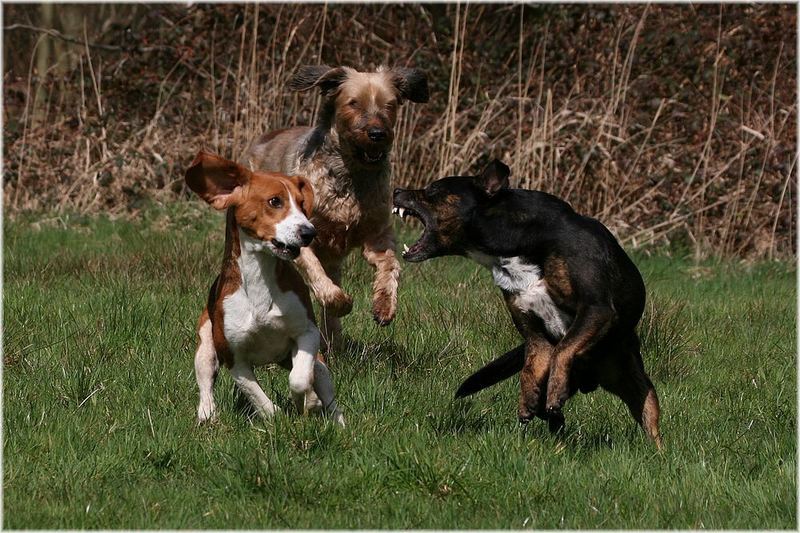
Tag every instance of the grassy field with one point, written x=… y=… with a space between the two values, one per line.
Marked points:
x=100 y=398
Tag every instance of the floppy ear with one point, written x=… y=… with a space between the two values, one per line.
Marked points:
x=304 y=186
x=326 y=78
x=411 y=83
x=216 y=180
x=494 y=177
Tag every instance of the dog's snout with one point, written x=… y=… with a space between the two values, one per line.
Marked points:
x=307 y=234
x=401 y=194
x=376 y=134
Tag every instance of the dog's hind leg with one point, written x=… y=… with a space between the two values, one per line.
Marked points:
x=323 y=386
x=206 y=368
x=331 y=327
x=330 y=332
x=245 y=379
x=628 y=380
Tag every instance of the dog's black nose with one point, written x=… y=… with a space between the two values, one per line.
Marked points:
x=307 y=234
x=376 y=134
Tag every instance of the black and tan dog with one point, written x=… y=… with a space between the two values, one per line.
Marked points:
x=573 y=293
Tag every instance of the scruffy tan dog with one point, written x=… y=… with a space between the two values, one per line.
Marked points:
x=345 y=156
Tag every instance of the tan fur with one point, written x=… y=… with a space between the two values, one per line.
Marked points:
x=352 y=197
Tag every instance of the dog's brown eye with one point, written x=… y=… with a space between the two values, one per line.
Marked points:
x=353 y=103
x=275 y=202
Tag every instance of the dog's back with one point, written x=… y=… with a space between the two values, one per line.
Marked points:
x=275 y=151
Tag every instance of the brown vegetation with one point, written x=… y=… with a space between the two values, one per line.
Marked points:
x=666 y=122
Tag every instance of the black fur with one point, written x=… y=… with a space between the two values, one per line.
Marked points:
x=411 y=83
x=505 y=366
x=326 y=78
x=597 y=290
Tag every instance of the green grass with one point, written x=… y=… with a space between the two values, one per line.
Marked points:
x=100 y=398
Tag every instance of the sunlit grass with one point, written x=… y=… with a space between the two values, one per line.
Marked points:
x=99 y=402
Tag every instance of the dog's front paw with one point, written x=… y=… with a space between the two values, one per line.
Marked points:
x=530 y=399
x=556 y=396
x=313 y=405
x=553 y=410
x=336 y=301
x=384 y=309
x=206 y=413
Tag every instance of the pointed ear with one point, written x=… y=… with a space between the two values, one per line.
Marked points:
x=304 y=186
x=216 y=180
x=494 y=177
x=326 y=78
x=411 y=83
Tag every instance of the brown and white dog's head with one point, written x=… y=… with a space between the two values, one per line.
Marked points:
x=271 y=209
x=362 y=106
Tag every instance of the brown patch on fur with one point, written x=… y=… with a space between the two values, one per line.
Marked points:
x=445 y=211
x=588 y=328
x=305 y=198
x=228 y=282
x=533 y=377
x=557 y=279
x=450 y=224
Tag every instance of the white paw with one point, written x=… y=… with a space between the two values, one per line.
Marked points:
x=312 y=403
x=206 y=413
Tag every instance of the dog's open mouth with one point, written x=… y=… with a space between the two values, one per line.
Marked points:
x=419 y=250
x=285 y=251
x=372 y=156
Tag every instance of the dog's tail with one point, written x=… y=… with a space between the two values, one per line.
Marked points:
x=501 y=368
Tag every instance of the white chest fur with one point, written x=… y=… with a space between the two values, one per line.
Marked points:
x=262 y=322
x=525 y=282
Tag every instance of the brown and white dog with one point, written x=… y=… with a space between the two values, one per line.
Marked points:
x=259 y=309
x=345 y=155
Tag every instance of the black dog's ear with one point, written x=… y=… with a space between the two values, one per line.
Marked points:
x=326 y=78
x=411 y=83
x=494 y=177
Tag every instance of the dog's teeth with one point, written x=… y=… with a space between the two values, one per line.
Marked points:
x=396 y=210
x=401 y=212
x=405 y=248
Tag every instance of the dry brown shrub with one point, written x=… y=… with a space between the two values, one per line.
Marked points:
x=664 y=121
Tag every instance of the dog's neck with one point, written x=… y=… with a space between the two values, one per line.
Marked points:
x=257 y=268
